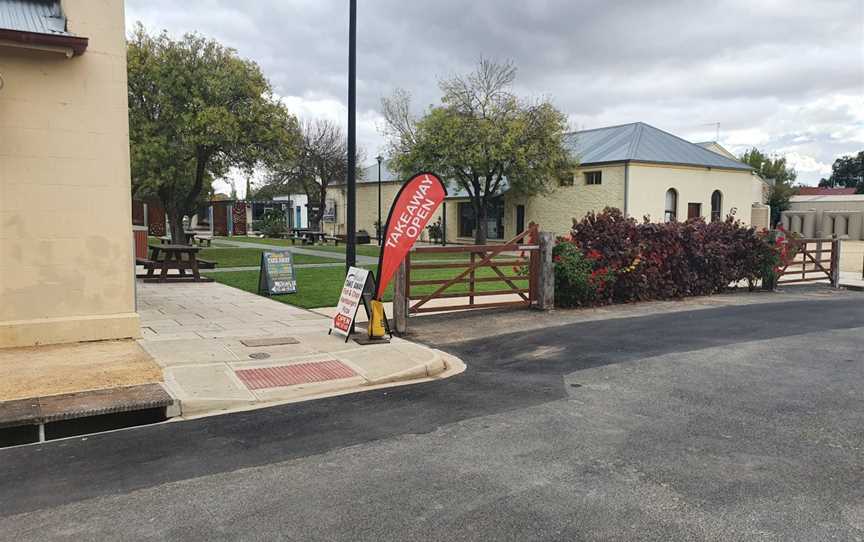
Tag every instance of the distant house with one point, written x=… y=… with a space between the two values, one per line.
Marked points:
x=296 y=208
x=635 y=167
x=824 y=191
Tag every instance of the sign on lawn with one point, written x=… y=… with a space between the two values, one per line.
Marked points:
x=349 y=301
x=277 y=273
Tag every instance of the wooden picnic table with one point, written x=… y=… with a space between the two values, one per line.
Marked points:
x=166 y=239
x=165 y=257
x=308 y=236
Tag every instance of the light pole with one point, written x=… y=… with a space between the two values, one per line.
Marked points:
x=380 y=225
x=351 y=219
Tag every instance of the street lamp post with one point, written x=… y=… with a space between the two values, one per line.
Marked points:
x=351 y=219
x=380 y=226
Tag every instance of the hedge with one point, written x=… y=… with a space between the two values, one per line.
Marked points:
x=609 y=258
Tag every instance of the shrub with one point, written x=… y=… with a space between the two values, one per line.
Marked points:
x=572 y=273
x=272 y=223
x=611 y=258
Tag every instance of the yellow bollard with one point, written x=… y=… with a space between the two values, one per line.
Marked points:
x=376 y=323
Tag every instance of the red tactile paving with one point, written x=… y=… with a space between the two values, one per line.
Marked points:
x=291 y=375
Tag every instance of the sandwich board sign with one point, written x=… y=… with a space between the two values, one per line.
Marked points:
x=356 y=284
x=276 y=276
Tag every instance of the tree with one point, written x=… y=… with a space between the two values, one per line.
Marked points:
x=322 y=160
x=847 y=171
x=775 y=171
x=195 y=110
x=480 y=137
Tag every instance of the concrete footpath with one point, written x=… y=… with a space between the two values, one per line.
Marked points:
x=226 y=349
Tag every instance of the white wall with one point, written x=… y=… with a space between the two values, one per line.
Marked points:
x=648 y=184
x=297 y=200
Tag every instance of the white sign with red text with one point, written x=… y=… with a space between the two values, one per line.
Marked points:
x=349 y=301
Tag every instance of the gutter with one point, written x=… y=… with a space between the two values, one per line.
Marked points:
x=631 y=161
x=68 y=45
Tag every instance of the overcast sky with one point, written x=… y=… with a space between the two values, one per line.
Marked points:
x=786 y=76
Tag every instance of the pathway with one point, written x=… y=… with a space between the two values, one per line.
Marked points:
x=257 y=267
x=362 y=260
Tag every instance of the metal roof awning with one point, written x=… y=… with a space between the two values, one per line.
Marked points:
x=38 y=24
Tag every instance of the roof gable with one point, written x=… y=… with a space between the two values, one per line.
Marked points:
x=643 y=143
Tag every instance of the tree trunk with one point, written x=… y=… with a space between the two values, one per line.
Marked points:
x=175 y=223
x=480 y=212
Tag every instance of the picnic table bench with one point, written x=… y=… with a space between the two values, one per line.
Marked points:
x=307 y=237
x=166 y=256
x=189 y=235
x=203 y=240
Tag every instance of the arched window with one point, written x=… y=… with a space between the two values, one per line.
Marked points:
x=716 y=206
x=671 y=214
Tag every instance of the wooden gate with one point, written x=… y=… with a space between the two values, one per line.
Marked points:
x=510 y=269
x=814 y=260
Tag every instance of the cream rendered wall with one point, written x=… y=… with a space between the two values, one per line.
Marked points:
x=555 y=211
x=649 y=183
x=66 y=269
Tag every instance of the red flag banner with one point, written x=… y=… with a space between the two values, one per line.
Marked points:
x=416 y=202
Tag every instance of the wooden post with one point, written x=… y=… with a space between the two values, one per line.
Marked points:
x=546 y=274
x=400 y=300
x=471 y=282
x=835 y=263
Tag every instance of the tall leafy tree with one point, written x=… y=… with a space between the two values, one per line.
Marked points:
x=196 y=109
x=480 y=137
x=847 y=171
x=774 y=170
x=321 y=162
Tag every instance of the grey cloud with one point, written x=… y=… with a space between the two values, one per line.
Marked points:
x=678 y=65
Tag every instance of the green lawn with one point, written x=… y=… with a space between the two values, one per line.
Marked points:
x=239 y=257
x=321 y=287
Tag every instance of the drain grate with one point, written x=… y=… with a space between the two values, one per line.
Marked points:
x=291 y=375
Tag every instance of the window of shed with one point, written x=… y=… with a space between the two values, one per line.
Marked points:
x=593 y=177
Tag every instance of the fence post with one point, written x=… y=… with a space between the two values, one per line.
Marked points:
x=835 y=262
x=400 y=302
x=546 y=273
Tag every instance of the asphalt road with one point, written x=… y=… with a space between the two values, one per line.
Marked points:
x=733 y=423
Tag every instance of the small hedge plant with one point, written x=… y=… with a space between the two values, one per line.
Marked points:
x=609 y=258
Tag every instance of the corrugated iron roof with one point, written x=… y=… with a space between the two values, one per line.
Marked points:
x=636 y=141
x=642 y=143
x=370 y=174
x=825 y=191
x=36 y=16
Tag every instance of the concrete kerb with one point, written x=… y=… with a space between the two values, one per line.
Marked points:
x=451 y=366
x=205 y=382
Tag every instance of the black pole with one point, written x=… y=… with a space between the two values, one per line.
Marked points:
x=351 y=245
x=380 y=226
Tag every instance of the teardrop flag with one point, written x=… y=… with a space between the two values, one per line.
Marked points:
x=416 y=202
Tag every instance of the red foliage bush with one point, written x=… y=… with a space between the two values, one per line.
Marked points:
x=642 y=261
